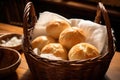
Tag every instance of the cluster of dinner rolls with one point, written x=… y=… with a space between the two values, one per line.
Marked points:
x=64 y=42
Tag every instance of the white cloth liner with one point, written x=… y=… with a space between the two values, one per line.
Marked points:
x=96 y=34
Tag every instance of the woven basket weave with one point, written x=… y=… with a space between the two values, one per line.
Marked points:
x=45 y=69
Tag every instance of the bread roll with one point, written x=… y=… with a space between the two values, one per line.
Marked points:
x=82 y=51
x=56 y=49
x=55 y=27
x=41 y=41
x=71 y=36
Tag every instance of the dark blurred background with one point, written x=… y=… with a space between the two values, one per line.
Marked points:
x=11 y=11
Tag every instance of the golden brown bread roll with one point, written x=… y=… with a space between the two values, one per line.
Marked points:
x=82 y=51
x=56 y=49
x=55 y=27
x=41 y=41
x=71 y=36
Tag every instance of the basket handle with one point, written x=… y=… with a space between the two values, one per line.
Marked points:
x=29 y=20
x=101 y=11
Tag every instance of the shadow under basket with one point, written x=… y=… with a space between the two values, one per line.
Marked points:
x=45 y=69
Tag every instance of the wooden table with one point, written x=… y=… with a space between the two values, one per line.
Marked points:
x=23 y=72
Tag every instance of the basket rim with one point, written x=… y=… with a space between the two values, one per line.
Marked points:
x=46 y=60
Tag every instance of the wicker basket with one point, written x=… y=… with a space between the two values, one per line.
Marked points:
x=45 y=69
